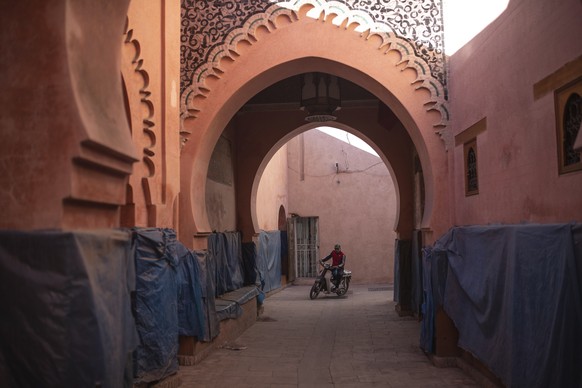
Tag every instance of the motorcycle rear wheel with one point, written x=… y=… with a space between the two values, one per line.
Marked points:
x=315 y=289
x=343 y=288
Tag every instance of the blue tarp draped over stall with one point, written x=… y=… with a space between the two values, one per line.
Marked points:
x=269 y=260
x=225 y=254
x=191 y=311
x=514 y=294
x=434 y=272
x=72 y=322
x=249 y=255
x=176 y=297
x=207 y=276
x=156 y=313
x=66 y=314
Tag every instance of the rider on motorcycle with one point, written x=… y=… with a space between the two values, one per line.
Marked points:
x=337 y=265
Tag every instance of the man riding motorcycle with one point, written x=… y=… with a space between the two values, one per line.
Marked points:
x=337 y=266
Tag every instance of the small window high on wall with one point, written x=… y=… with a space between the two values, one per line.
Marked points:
x=471 y=175
x=568 y=121
x=468 y=138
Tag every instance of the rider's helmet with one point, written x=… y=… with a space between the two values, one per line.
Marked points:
x=337 y=246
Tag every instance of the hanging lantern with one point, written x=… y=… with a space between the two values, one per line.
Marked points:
x=320 y=96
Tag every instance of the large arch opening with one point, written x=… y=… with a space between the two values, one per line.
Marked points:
x=404 y=117
x=266 y=123
x=347 y=190
x=276 y=124
x=263 y=137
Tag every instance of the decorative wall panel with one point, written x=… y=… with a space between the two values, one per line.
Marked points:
x=206 y=25
x=212 y=29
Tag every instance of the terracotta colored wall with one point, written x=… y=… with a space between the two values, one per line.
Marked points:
x=356 y=207
x=72 y=133
x=65 y=150
x=273 y=192
x=151 y=71
x=494 y=76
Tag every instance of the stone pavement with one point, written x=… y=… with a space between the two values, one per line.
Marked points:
x=354 y=341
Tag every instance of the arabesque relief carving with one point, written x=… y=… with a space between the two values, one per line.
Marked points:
x=212 y=29
x=142 y=116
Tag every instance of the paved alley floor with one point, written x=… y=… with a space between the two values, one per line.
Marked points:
x=354 y=341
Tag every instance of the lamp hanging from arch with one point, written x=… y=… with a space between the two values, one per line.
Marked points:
x=320 y=96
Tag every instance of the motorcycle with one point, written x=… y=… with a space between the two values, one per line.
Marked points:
x=321 y=283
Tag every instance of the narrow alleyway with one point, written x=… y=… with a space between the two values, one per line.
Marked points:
x=354 y=341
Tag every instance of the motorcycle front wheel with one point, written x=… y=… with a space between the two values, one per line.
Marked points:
x=315 y=290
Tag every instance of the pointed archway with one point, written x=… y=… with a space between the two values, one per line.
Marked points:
x=384 y=66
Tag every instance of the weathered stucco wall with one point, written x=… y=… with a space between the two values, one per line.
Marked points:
x=272 y=192
x=355 y=202
x=496 y=77
x=220 y=185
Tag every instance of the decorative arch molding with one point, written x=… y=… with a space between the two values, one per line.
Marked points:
x=418 y=52
x=260 y=168
x=142 y=122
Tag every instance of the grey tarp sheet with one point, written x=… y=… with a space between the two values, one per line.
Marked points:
x=227 y=309
x=156 y=301
x=225 y=252
x=269 y=260
x=242 y=295
x=230 y=304
x=514 y=294
x=65 y=309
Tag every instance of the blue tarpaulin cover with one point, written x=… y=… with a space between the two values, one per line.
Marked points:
x=249 y=255
x=207 y=275
x=514 y=295
x=66 y=313
x=225 y=253
x=434 y=272
x=269 y=260
x=156 y=306
x=191 y=311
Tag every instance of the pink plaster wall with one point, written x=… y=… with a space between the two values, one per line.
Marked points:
x=356 y=206
x=151 y=68
x=493 y=77
x=273 y=191
x=259 y=132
